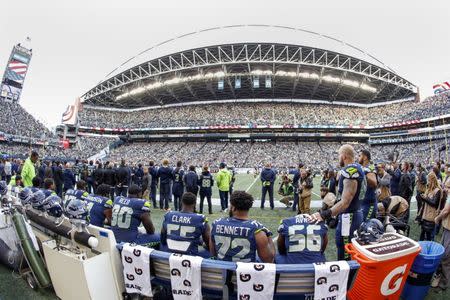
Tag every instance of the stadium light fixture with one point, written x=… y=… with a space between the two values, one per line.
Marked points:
x=221 y=75
x=261 y=72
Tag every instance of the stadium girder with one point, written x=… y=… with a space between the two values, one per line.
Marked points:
x=288 y=67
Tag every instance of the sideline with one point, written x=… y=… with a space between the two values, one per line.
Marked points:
x=250 y=186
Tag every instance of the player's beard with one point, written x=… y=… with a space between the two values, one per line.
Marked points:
x=230 y=213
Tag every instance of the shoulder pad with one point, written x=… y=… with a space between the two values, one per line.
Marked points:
x=350 y=172
x=146 y=206
x=109 y=203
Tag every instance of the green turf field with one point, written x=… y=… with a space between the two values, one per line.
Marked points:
x=15 y=288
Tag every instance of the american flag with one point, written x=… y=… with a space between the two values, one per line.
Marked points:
x=17 y=70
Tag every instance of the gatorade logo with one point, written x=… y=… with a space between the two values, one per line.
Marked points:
x=391 y=284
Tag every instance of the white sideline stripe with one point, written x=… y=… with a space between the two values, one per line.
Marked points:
x=254 y=181
x=315 y=194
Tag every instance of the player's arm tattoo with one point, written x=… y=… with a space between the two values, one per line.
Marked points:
x=349 y=191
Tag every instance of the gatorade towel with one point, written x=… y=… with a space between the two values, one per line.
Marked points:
x=136 y=269
x=186 y=276
x=255 y=281
x=346 y=222
x=330 y=280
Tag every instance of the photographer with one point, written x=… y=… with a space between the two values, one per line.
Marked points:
x=305 y=191
x=287 y=191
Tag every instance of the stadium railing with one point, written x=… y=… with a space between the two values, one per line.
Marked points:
x=294 y=281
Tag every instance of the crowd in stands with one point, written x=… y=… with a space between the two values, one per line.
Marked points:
x=282 y=154
x=90 y=145
x=250 y=114
x=86 y=147
x=15 y=120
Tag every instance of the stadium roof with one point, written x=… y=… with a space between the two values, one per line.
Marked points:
x=249 y=62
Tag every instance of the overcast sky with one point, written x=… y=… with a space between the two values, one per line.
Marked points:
x=76 y=43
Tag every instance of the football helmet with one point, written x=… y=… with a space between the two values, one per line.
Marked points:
x=3 y=188
x=25 y=195
x=370 y=231
x=37 y=200
x=52 y=206
x=76 y=209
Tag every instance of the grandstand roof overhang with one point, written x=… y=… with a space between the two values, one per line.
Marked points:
x=250 y=70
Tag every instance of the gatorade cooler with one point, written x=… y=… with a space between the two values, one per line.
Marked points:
x=422 y=270
x=384 y=266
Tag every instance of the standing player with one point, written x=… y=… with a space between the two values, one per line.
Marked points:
x=127 y=215
x=165 y=175
x=178 y=185
x=100 y=206
x=369 y=204
x=268 y=177
x=153 y=172
x=238 y=238
x=191 y=181
x=300 y=242
x=90 y=176
x=206 y=182
x=123 y=177
x=186 y=232
x=352 y=184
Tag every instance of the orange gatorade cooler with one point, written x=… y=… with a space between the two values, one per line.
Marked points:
x=384 y=266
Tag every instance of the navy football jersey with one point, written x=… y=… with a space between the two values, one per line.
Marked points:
x=178 y=175
x=184 y=231
x=369 y=197
x=74 y=194
x=234 y=239
x=96 y=206
x=353 y=172
x=303 y=240
x=206 y=181
x=126 y=217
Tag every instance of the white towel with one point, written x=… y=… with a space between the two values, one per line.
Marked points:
x=186 y=276
x=136 y=269
x=331 y=280
x=255 y=281
x=31 y=234
x=346 y=223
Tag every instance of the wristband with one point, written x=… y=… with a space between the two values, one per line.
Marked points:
x=325 y=214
